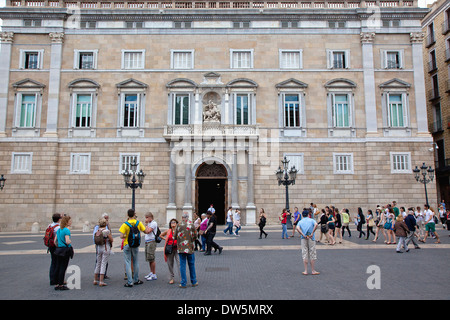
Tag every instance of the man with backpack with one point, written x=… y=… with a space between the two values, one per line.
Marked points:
x=150 y=245
x=49 y=241
x=130 y=233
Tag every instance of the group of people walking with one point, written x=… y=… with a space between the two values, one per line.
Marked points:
x=391 y=221
x=181 y=239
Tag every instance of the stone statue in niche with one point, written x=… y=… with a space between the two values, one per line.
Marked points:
x=211 y=112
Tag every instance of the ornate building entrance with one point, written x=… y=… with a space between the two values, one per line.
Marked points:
x=211 y=187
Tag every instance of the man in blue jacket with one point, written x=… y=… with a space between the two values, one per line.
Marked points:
x=410 y=221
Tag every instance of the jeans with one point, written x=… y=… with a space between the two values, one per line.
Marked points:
x=131 y=255
x=229 y=228
x=284 y=231
x=190 y=258
x=210 y=242
x=203 y=242
x=237 y=229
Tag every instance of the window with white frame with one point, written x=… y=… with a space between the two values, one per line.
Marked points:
x=295 y=160
x=82 y=110
x=392 y=59
x=181 y=103
x=130 y=110
x=242 y=108
x=31 y=59
x=400 y=162
x=21 y=162
x=395 y=106
x=341 y=110
x=85 y=59
x=126 y=159
x=80 y=163
x=182 y=59
x=397 y=115
x=343 y=163
x=27 y=109
x=133 y=59
x=292 y=110
x=241 y=59
x=290 y=59
x=338 y=59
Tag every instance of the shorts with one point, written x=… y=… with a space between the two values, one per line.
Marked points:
x=430 y=227
x=150 y=248
x=309 y=249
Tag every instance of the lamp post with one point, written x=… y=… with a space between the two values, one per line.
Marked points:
x=424 y=171
x=129 y=177
x=286 y=177
x=2 y=182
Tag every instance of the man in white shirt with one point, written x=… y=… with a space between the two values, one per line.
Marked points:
x=150 y=245
x=429 y=224
x=229 y=227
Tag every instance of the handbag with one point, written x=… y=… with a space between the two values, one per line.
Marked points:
x=388 y=225
x=64 y=252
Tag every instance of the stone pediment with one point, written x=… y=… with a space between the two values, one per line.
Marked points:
x=291 y=84
x=395 y=83
x=340 y=83
x=28 y=84
x=181 y=83
x=242 y=83
x=131 y=83
x=83 y=83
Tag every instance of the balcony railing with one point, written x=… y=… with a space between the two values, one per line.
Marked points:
x=433 y=94
x=432 y=66
x=230 y=4
x=210 y=130
x=445 y=27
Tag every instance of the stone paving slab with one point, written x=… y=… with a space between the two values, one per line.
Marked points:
x=248 y=269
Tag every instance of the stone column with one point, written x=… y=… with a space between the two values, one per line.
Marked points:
x=369 y=81
x=6 y=39
x=54 y=83
x=419 y=82
x=250 y=208
x=171 y=209
x=187 y=207
x=234 y=182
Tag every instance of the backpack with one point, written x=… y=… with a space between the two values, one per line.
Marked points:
x=49 y=238
x=157 y=235
x=98 y=237
x=134 y=236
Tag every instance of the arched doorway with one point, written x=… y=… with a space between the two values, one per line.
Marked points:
x=211 y=187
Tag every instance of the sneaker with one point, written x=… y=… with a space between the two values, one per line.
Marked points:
x=152 y=277
x=148 y=276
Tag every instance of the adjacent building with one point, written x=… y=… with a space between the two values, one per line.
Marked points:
x=208 y=97
x=436 y=26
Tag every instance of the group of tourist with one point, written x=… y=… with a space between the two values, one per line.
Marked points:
x=391 y=221
x=396 y=224
x=181 y=239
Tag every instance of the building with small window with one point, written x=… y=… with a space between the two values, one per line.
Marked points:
x=208 y=97
x=436 y=57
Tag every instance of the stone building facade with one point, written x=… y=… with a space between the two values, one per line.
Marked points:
x=208 y=97
x=436 y=55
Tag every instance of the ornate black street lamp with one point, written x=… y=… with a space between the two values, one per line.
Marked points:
x=2 y=182
x=129 y=177
x=286 y=177
x=424 y=171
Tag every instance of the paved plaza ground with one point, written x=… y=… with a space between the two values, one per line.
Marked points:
x=248 y=269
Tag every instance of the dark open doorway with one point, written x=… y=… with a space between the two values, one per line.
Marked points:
x=211 y=188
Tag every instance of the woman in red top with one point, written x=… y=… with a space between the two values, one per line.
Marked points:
x=170 y=248
x=283 y=219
